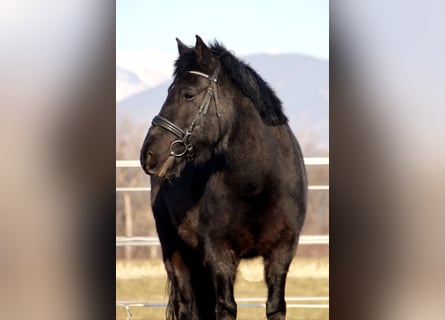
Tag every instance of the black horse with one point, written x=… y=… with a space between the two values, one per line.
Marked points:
x=228 y=182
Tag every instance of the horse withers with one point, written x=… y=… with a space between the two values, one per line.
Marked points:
x=228 y=182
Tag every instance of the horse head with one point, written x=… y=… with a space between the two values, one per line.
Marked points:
x=190 y=123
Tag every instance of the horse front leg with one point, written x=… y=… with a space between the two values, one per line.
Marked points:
x=180 y=291
x=222 y=264
x=276 y=266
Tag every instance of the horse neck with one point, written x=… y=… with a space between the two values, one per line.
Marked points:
x=249 y=153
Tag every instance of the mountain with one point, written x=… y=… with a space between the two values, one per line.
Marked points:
x=301 y=82
x=151 y=66
x=127 y=83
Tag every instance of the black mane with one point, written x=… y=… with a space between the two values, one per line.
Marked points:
x=251 y=84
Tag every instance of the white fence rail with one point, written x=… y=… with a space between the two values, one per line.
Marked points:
x=154 y=241
x=312 y=161
x=245 y=303
x=131 y=189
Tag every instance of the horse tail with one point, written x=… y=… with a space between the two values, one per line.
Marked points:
x=169 y=313
x=202 y=293
x=169 y=310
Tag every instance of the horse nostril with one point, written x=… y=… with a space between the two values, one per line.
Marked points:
x=150 y=161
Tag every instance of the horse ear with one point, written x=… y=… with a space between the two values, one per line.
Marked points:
x=203 y=53
x=181 y=46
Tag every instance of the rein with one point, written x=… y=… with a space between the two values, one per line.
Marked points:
x=184 y=136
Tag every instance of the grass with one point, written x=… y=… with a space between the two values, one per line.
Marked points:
x=146 y=280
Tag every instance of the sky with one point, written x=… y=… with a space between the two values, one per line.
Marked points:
x=246 y=26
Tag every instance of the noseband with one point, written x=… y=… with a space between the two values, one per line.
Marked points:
x=184 y=136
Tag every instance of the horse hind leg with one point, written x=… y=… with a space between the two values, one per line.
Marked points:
x=276 y=266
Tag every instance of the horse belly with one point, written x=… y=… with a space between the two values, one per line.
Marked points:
x=277 y=233
x=260 y=237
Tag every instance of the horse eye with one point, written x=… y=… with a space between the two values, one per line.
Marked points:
x=188 y=96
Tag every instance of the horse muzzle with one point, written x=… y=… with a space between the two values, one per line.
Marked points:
x=154 y=166
x=148 y=162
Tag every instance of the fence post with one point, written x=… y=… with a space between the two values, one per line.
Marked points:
x=128 y=223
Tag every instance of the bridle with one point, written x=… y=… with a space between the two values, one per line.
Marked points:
x=184 y=136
